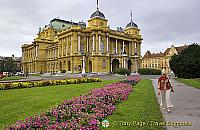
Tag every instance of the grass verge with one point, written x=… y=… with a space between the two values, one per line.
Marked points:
x=141 y=107
x=11 y=78
x=17 y=104
x=190 y=82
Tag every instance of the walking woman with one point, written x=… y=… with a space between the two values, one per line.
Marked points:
x=165 y=87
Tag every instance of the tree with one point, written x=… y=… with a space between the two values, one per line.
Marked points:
x=187 y=63
x=10 y=66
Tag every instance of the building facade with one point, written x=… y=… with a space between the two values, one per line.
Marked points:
x=69 y=47
x=161 y=60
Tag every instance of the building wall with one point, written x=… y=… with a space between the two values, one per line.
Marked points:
x=160 y=62
x=56 y=51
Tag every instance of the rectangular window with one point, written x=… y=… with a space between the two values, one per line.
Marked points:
x=103 y=64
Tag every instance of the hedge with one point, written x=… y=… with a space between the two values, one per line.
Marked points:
x=149 y=71
x=18 y=85
x=123 y=71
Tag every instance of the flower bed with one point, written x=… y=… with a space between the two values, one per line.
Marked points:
x=132 y=80
x=43 y=83
x=83 y=112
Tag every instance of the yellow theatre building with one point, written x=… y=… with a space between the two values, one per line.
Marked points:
x=69 y=47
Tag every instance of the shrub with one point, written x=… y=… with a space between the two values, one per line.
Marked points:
x=187 y=63
x=15 y=85
x=63 y=71
x=123 y=71
x=18 y=85
x=25 y=85
x=149 y=71
x=2 y=86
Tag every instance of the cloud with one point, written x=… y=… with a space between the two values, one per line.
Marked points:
x=162 y=22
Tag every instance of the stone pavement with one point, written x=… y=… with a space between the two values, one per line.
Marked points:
x=60 y=77
x=186 y=101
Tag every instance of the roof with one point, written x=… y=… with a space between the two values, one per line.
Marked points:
x=17 y=58
x=14 y=58
x=153 y=55
x=58 y=24
x=131 y=24
x=97 y=14
x=64 y=21
x=178 y=49
x=181 y=48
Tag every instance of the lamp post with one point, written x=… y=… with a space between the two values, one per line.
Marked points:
x=83 y=59
x=41 y=68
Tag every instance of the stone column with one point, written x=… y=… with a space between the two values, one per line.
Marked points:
x=123 y=48
x=136 y=47
x=125 y=64
x=36 y=48
x=133 y=48
x=130 y=48
x=99 y=42
x=122 y=63
x=71 y=44
x=111 y=66
x=139 y=49
x=83 y=65
x=93 y=43
x=107 y=44
x=79 y=43
x=116 y=48
x=136 y=65
x=87 y=40
x=67 y=46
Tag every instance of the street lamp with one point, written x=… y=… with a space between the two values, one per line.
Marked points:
x=83 y=58
x=41 y=69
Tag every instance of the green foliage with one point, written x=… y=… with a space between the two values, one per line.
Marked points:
x=123 y=71
x=18 y=85
x=10 y=78
x=149 y=71
x=2 y=86
x=9 y=65
x=191 y=82
x=187 y=63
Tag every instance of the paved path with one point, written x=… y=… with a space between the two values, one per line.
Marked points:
x=186 y=100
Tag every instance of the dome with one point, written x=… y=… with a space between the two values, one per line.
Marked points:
x=97 y=14
x=131 y=24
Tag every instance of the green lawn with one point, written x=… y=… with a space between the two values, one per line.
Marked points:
x=21 y=103
x=190 y=82
x=141 y=106
x=34 y=75
x=11 y=78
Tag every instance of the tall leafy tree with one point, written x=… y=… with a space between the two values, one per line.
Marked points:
x=187 y=63
x=10 y=65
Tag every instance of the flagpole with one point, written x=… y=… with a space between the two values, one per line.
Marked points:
x=97 y=4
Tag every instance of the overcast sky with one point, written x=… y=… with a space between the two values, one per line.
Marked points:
x=162 y=22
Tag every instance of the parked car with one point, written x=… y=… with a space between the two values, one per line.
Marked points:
x=19 y=74
x=1 y=76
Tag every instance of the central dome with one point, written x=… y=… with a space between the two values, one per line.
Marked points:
x=97 y=14
x=131 y=24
